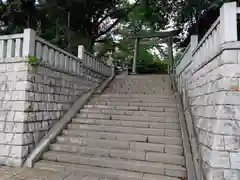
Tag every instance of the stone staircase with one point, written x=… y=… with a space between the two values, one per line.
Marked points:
x=130 y=132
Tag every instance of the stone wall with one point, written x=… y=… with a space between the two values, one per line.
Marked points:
x=13 y=83
x=34 y=97
x=32 y=100
x=211 y=80
x=212 y=83
x=215 y=108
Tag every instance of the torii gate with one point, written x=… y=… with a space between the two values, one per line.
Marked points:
x=164 y=34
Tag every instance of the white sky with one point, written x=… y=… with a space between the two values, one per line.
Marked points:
x=131 y=1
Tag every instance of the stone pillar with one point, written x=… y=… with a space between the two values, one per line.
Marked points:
x=81 y=52
x=110 y=62
x=135 y=56
x=29 y=41
x=228 y=22
x=193 y=42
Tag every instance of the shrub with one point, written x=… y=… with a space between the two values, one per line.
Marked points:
x=154 y=67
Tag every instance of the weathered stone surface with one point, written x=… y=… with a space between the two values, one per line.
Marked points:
x=231 y=174
x=165 y=158
x=32 y=100
x=171 y=149
x=213 y=94
x=128 y=139
x=136 y=146
x=235 y=160
x=232 y=143
x=140 y=166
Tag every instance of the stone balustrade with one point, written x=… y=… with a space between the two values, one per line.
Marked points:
x=210 y=75
x=38 y=84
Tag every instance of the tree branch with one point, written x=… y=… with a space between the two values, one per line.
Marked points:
x=110 y=12
x=116 y=21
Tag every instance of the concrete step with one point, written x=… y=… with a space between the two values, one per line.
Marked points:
x=119 y=129
x=129 y=113
x=132 y=108
x=97 y=171
x=111 y=122
x=98 y=152
x=131 y=130
x=141 y=89
x=137 y=89
x=165 y=140
x=149 y=100
x=136 y=154
x=161 y=142
x=154 y=147
x=173 y=126
x=108 y=162
x=165 y=158
x=132 y=96
x=91 y=142
x=142 y=140
x=100 y=172
x=140 y=104
x=105 y=135
x=157 y=177
x=127 y=118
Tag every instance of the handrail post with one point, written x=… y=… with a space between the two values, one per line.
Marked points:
x=193 y=42
x=81 y=52
x=111 y=64
x=228 y=22
x=29 y=38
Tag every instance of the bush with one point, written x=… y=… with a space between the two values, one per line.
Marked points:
x=154 y=67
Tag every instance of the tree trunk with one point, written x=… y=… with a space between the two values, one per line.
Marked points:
x=87 y=42
x=90 y=45
x=197 y=16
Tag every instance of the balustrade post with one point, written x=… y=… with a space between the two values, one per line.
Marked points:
x=81 y=52
x=228 y=22
x=113 y=70
x=193 y=42
x=111 y=64
x=29 y=38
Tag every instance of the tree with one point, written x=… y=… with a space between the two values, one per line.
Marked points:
x=90 y=20
x=198 y=16
x=145 y=17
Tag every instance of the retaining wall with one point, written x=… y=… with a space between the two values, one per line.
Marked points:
x=211 y=77
x=34 y=97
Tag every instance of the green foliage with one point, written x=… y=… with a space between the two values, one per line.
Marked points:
x=89 y=20
x=32 y=60
x=148 y=63
x=197 y=16
x=145 y=56
x=154 y=67
x=156 y=14
x=151 y=67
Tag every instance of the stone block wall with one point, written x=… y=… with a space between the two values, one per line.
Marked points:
x=32 y=100
x=13 y=83
x=216 y=111
x=214 y=98
x=212 y=83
